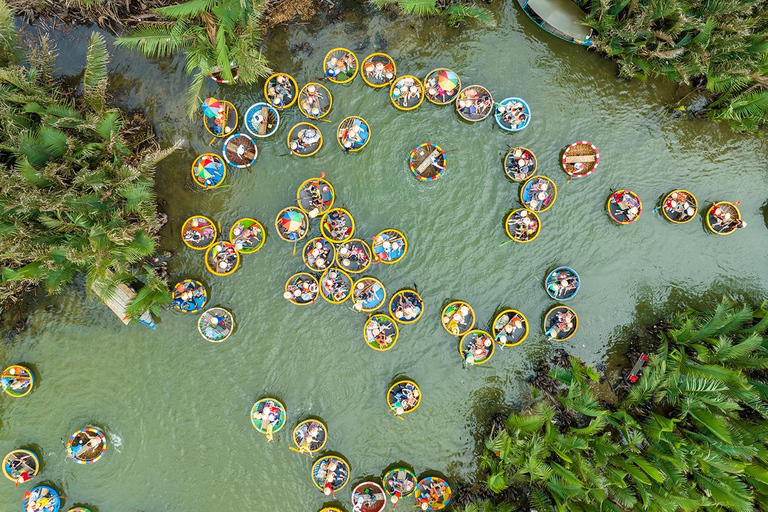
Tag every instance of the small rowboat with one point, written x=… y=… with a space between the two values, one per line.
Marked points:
x=268 y=416
x=248 y=235
x=198 y=232
x=292 y=224
x=442 y=86
x=17 y=380
x=20 y=466
x=378 y=70
x=304 y=139
x=406 y=306
x=624 y=206
x=335 y=285
x=189 y=296
x=216 y=76
x=580 y=159
x=240 y=150
x=522 y=225
x=315 y=100
x=209 y=170
x=723 y=218
x=380 y=332
x=679 y=206
x=399 y=482
x=538 y=194
x=301 y=289
x=562 y=283
x=353 y=133
x=261 y=119
x=222 y=258
x=406 y=93
x=216 y=325
x=330 y=474
x=433 y=493
x=354 y=256
x=427 y=161
x=560 y=323
x=403 y=396
x=458 y=318
x=510 y=328
x=476 y=347
x=87 y=446
x=315 y=196
x=340 y=66
x=310 y=436
x=281 y=90
x=318 y=254
x=337 y=225
x=389 y=246
x=520 y=164
x=368 y=294
x=368 y=497
x=512 y=114
x=474 y=103
x=41 y=499
x=220 y=119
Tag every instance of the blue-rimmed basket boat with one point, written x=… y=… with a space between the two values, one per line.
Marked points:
x=512 y=114
x=261 y=119
x=562 y=283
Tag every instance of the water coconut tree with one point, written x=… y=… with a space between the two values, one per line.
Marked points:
x=455 y=11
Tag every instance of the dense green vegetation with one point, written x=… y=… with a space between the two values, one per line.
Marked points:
x=455 y=11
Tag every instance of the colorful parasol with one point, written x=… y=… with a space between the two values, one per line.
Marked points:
x=447 y=80
x=208 y=168
x=211 y=107
x=291 y=220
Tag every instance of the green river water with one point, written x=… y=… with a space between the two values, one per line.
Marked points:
x=176 y=408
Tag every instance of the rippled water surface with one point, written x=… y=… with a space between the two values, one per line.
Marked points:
x=176 y=407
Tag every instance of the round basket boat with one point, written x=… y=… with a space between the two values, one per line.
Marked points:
x=560 y=323
x=522 y=225
x=292 y=224
x=189 y=296
x=442 y=86
x=17 y=380
x=340 y=66
x=318 y=254
x=315 y=100
x=301 y=289
x=261 y=119
x=354 y=256
x=216 y=325
x=427 y=161
x=624 y=207
x=209 y=170
x=41 y=499
x=87 y=445
x=723 y=218
x=380 y=332
x=406 y=93
x=432 y=493
x=399 y=482
x=368 y=497
x=538 y=194
x=281 y=90
x=198 y=232
x=330 y=474
x=337 y=225
x=512 y=114
x=315 y=196
x=222 y=258
x=403 y=396
x=330 y=509
x=335 y=285
x=458 y=318
x=310 y=436
x=268 y=416
x=240 y=150
x=368 y=294
x=562 y=283
x=510 y=328
x=21 y=466
x=353 y=134
x=79 y=509
x=474 y=103
x=580 y=159
x=476 y=347
x=389 y=246
x=679 y=206
x=219 y=117
x=248 y=235
x=520 y=164
x=406 y=306
x=304 y=139
x=216 y=76
x=378 y=70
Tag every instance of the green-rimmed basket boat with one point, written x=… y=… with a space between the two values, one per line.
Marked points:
x=268 y=417
x=380 y=332
x=248 y=235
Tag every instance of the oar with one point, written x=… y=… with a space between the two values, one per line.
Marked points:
x=394 y=412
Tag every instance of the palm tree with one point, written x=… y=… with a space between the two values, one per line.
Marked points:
x=456 y=11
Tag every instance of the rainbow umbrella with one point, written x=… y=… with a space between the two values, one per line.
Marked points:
x=211 y=107
x=208 y=168
x=447 y=80
x=292 y=220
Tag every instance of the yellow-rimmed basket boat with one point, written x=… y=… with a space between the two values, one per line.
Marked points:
x=399 y=482
x=310 y=436
x=624 y=206
x=315 y=196
x=223 y=122
x=301 y=289
x=208 y=170
x=17 y=380
x=21 y=466
x=216 y=325
x=340 y=66
x=679 y=206
x=442 y=86
x=560 y=323
x=330 y=474
x=520 y=164
x=335 y=285
x=378 y=70
x=389 y=246
x=432 y=493
x=315 y=101
x=222 y=258
x=188 y=296
x=406 y=306
x=318 y=254
x=522 y=225
x=198 y=232
x=458 y=318
x=403 y=397
x=248 y=235
x=474 y=103
x=380 y=332
x=292 y=224
x=353 y=134
x=723 y=218
x=406 y=93
x=281 y=90
x=337 y=225
x=476 y=347
x=268 y=416
x=368 y=294
x=304 y=139
x=354 y=256
x=510 y=328
x=538 y=193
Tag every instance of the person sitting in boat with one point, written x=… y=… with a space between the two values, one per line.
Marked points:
x=627 y=204
x=432 y=492
x=269 y=416
x=477 y=350
x=562 y=285
x=399 y=485
x=336 y=286
x=318 y=255
x=678 y=206
x=226 y=259
x=406 y=398
x=509 y=329
x=407 y=309
x=41 y=500
x=458 y=320
x=562 y=325
x=382 y=338
x=365 y=500
x=333 y=474
x=16 y=383
x=19 y=470
x=311 y=434
x=220 y=122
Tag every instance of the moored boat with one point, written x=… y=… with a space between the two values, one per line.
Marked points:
x=389 y=246
x=304 y=139
x=403 y=396
x=17 y=380
x=330 y=474
x=406 y=306
x=335 y=285
x=510 y=328
x=216 y=325
x=218 y=76
x=380 y=332
x=723 y=218
x=538 y=194
x=219 y=117
x=378 y=70
x=406 y=92
x=337 y=225
x=560 y=323
x=301 y=289
x=368 y=497
x=310 y=436
x=268 y=416
x=248 y=235
x=318 y=254
x=41 y=499
x=353 y=133
x=240 y=150
x=340 y=66
x=427 y=161
x=520 y=164
x=512 y=114
x=209 y=170
x=292 y=224
x=281 y=90
x=522 y=225
x=87 y=445
x=399 y=482
x=432 y=493
x=476 y=347
x=315 y=196
x=315 y=100
x=20 y=466
x=624 y=206
x=198 y=232
x=562 y=283
x=261 y=119
x=354 y=256
x=474 y=103
x=679 y=206
x=189 y=296
x=458 y=318
x=222 y=258
x=368 y=294
x=442 y=86
x=580 y=159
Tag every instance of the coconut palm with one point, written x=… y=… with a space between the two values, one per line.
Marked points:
x=456 y=11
